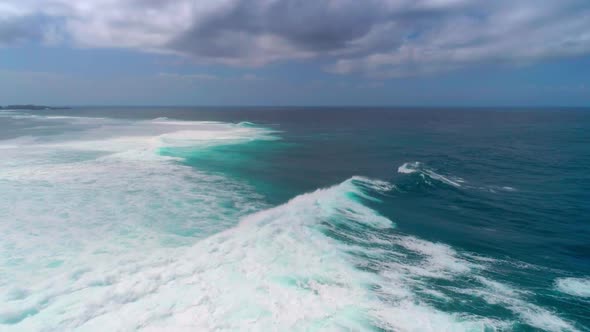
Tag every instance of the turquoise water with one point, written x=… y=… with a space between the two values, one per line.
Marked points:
x=167 y=219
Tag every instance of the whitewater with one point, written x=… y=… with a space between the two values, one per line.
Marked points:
x=106 y=228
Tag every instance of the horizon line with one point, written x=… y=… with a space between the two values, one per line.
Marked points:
x=304 y=106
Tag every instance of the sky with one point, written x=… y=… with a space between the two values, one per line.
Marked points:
x=296 y=52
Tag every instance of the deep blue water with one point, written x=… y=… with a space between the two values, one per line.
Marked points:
x=490 y=207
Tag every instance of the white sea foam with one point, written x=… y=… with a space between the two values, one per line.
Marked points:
x=136 y=139
x=408 y=168
x=15 y=143
x=417 y=167
x=440 y=258
x=274 y=271
x=20 y=115
x=498 y=293
x=85 y=198
x=574 y=286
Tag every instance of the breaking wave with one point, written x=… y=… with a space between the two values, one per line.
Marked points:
x=431 y=177
x=123 y=238
x=428 y=174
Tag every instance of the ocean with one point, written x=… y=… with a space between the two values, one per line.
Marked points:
x=295 y=219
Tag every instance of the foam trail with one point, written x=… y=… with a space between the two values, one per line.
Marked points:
x=417 y=167
x=495 y=292
x=574 y=286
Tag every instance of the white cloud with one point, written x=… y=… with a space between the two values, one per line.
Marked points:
x=381 y=38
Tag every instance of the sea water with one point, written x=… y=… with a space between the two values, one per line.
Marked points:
x=302 y=219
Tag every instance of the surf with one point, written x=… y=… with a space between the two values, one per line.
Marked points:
x=124 y=234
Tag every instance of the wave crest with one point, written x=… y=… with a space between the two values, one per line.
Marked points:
x=429 y=174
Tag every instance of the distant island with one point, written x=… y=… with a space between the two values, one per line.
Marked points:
x=32 y=107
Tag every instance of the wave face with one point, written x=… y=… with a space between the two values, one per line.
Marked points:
x=106 y=227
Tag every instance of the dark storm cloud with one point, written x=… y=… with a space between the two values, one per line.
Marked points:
x=18 y=29
x=244 y=28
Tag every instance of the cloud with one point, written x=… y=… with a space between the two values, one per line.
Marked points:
x=379 y=38
x=189 y=77
x=16 y=30
x=207 y=77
